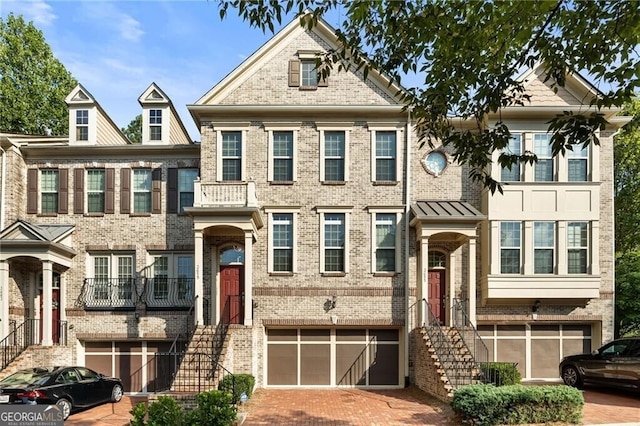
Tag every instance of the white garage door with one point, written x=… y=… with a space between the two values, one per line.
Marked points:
x=333 y=357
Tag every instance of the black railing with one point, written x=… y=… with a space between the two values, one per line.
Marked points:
x=217 y=344
x=469 y=334
x=19 y=338
x=196 y=372
x=168 y=293
x=110 y=293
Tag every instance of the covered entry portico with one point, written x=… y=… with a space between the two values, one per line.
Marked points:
x=32 y=264
x=442 y=229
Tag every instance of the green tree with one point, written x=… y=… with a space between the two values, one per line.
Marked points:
x=470 y=53
x=133 y=131
x=627 y=291
x=33 y=83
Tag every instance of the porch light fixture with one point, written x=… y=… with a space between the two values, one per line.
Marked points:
x=536 y=306
x=332 y=302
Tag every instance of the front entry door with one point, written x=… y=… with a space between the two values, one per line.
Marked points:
x=437 y=290
x=55 y=314
x=232 y=294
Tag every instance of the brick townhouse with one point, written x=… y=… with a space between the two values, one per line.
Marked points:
x=309 y=223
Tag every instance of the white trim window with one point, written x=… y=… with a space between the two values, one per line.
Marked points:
x=308 y=74
x=385 y=242
x=141 y=186
x=510 y=247
x=514 y=147
x=384 y=155
x=231 y=156
x=577 y=247
x=544 y=167
x=281 y=155
x=578 y=164
x=333 y=146
x=186 y=177
x=113 y=280
x=544 y=243
x=282 y=236
x=155 y=124
x=49 y=186
x=172 y=284
x=82 y=125
x=96 y=187
x=334 y=242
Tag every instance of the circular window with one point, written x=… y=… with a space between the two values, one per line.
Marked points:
x=435 y=162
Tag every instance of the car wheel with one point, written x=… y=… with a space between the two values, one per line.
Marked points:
x=116 y=393
x=65 y=406
x=571 y=376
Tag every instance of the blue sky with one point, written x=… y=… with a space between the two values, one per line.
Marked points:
x=116 y=49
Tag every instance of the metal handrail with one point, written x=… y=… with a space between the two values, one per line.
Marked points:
x=198 y=372
x=110 y=293
x=189 y=329
x=18 y=340
x=439 y=341
x=475 y=344
x=167 y=293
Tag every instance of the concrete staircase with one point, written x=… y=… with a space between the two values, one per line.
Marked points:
x=200 y=368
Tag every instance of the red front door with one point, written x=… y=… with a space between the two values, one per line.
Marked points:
x=437 y=290
x=232 y=294
x=55 y=314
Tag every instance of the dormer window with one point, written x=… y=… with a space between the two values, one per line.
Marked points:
x=82 y=125
x=155 y=124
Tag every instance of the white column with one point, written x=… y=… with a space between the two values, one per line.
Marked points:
x=4 y=290
x=472 y=280
x=451 y=285
x=424 y=278
x=248 y=278
x=562 y=256
x=47 y=305
x=63 y=298
x=199 y=287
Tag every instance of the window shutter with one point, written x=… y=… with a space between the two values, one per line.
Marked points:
x=172 y=191
x=63 y=191
x=125 y=191
x=109 y=196
x=32 y=191
x=294 y=73
x=78 y=191
x=156 y=194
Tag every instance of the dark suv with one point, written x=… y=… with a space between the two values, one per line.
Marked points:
x=616 y=364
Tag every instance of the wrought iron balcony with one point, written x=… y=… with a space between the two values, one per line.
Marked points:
x=225 y=194
x=168 y=293
x=110 y=293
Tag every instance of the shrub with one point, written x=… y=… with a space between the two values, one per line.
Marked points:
x=501 y=373
x=164 y=411
x=243 y=383
x=487 y=405
x=214 y=408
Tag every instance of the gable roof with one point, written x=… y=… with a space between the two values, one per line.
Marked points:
x=155 y=95
x=23 y=230
x=268 y=50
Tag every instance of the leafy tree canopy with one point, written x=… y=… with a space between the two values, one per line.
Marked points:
x=33 y=83
x=470 y=53
x=133 y=131
x=627 y=290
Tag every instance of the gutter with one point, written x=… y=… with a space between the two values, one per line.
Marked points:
x=407 y=207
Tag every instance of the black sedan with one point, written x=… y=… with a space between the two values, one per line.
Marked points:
x=69 y=388
x=616 y=364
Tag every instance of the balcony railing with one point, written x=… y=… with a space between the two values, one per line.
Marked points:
x=110 y=293
x=219 y=194
x=167 y=293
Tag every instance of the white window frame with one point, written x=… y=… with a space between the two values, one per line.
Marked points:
x=538 y=246
x=173 y=261
x=293 y=211
x=155 y=124
x=510 y=247
x=544 y=156
x=334 y=127
x=103 y=191
x=146 y=191
x=114 y=273
x=308 y=73
x=180 y=191
x=323 y=211
x=231 y=127
x=374 y=129
x=282 y=127
x=585 y=248
x=516 y=139
x=397 y=212
x=578 y=154
x=44 y=190
x=82 y=122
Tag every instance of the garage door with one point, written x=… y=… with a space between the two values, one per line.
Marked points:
x=133 y=362
x=333 y=357
x=537 y=348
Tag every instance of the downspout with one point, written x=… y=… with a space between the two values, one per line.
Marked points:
x=407 y=207
x=3 y=187
x=613 y=240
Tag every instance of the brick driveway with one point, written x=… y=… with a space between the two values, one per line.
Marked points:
x=343 y=407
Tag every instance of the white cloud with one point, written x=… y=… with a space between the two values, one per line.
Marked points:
x=130 y=28
x=108 y=15
x=37 y=11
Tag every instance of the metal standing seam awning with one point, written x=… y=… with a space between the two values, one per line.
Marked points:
x=445 y=211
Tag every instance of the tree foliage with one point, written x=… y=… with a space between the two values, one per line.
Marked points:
x=627 y=291
x=470 y=53
x=33 y=83
x=133 y=131
x=627 y=182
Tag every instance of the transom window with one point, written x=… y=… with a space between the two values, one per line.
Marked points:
x=543 y=247
x=513 y=148
x=231 y=156
x=95 y=190
x=437 y=260
x=186 y=177
x=385 y=250
x=309 y=74
x=155 y=124
x=282 y=229
x=49 y=182
x=334 y=156
x=142 y=190
x=385 y=161
x=543 y=168
x=283 y=156
x=82 y=125
x=334 y=242
x=577 y=244
x=510 y=246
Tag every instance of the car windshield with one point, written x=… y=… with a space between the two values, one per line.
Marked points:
x=33 y=377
